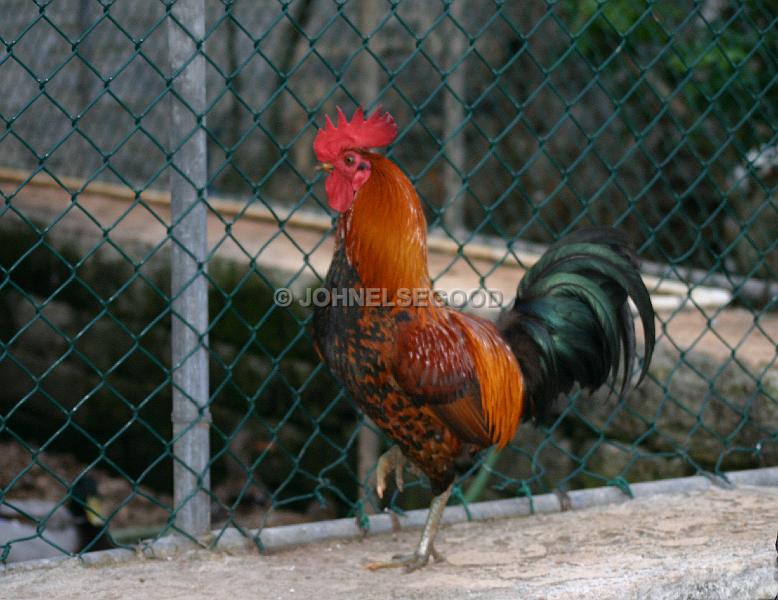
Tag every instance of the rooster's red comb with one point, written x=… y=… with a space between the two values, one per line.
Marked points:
x=374 y=132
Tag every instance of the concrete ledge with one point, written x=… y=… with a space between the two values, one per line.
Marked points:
x=705 y=543
x=602 y=499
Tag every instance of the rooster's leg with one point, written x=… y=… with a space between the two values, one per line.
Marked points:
x=425 y=549
x=391 y=460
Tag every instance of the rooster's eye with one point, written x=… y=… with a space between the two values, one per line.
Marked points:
x=349 y=160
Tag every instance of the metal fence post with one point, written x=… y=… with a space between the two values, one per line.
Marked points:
x=369 y=443
x=191 y=417
x=453 y=118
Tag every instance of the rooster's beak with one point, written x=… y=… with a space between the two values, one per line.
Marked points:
x=325 y=167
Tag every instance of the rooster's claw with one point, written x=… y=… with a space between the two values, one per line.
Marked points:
x=410 y=562
x=392 y=459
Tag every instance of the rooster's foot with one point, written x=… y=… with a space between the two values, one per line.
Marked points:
x=391 y=460
x=426 y=548
x=410 y=562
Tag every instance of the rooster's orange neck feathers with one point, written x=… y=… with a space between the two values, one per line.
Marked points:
x=385 y=238
x=385 y=231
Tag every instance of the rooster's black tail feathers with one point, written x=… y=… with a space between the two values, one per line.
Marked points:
x=571 y=322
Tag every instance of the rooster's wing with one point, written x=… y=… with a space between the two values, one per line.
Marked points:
x=434 y=367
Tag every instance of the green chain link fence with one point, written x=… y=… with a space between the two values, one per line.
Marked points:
x=121 y=306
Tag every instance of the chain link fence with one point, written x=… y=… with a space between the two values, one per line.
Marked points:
x=158 y=187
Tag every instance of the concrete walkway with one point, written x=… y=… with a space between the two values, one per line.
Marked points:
x=707 y=544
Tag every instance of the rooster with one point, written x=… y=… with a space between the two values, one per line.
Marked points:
x=438 y=382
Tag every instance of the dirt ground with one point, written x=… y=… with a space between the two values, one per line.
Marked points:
x=707 y=545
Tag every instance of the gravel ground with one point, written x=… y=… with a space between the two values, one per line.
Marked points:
x=707 y=545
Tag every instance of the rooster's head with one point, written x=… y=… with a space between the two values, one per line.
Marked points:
x=342 y=151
